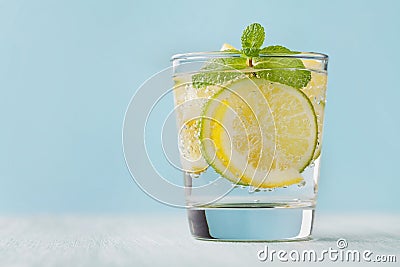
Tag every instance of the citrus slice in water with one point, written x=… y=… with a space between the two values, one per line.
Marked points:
x=188 y=106
x=226 y=46
x=316 y=92
x=188 y=103
x=259 y=133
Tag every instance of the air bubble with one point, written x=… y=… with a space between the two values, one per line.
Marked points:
x=251 y=190
x=301 y=184
x=194 y=175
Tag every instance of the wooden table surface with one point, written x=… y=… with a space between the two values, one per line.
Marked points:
x=164 y=240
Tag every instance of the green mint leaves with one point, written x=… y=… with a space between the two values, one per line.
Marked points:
x=295 y=78
x=276 y=49
x=219 y=71
x=252 y=40
x=203 y=79
x=226 y=63
x=286 y=70
x=273 y=63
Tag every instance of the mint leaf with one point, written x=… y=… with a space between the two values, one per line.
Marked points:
x=218 y=71
x=277 y=62
x=225 y=64
x=285 y=70
x=294 y=78
x=275 y=66
x=203 y=79
x=252 y=39
x=289 y=71
x=276 y=49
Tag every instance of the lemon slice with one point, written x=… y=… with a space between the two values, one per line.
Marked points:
x=189 y=102
x=226 y=46
x=259 y=133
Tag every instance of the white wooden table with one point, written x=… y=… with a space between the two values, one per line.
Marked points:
x=164 y=240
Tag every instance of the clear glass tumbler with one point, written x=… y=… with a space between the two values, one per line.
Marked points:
x=250 y=143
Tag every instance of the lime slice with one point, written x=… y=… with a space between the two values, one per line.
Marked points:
x=259 y=133
x=316 y=92
x=279 y=178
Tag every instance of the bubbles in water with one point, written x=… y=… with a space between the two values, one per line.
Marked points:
x=194 y=175
x=251 y=190
x=301 y=184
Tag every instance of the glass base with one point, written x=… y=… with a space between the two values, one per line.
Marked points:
x=251 y=224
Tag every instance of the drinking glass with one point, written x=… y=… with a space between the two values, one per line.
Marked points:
x=268 y=192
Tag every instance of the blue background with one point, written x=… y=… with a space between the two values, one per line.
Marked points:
x=69 y=68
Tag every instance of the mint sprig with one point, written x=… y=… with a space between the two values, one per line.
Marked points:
x=285 y=70
x=252 y=40
x=276 y=49
x=203 y=79
x=218 y=71
x=275 y=63
x=228 y=63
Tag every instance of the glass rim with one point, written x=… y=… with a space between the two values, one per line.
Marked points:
x=224 y=54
